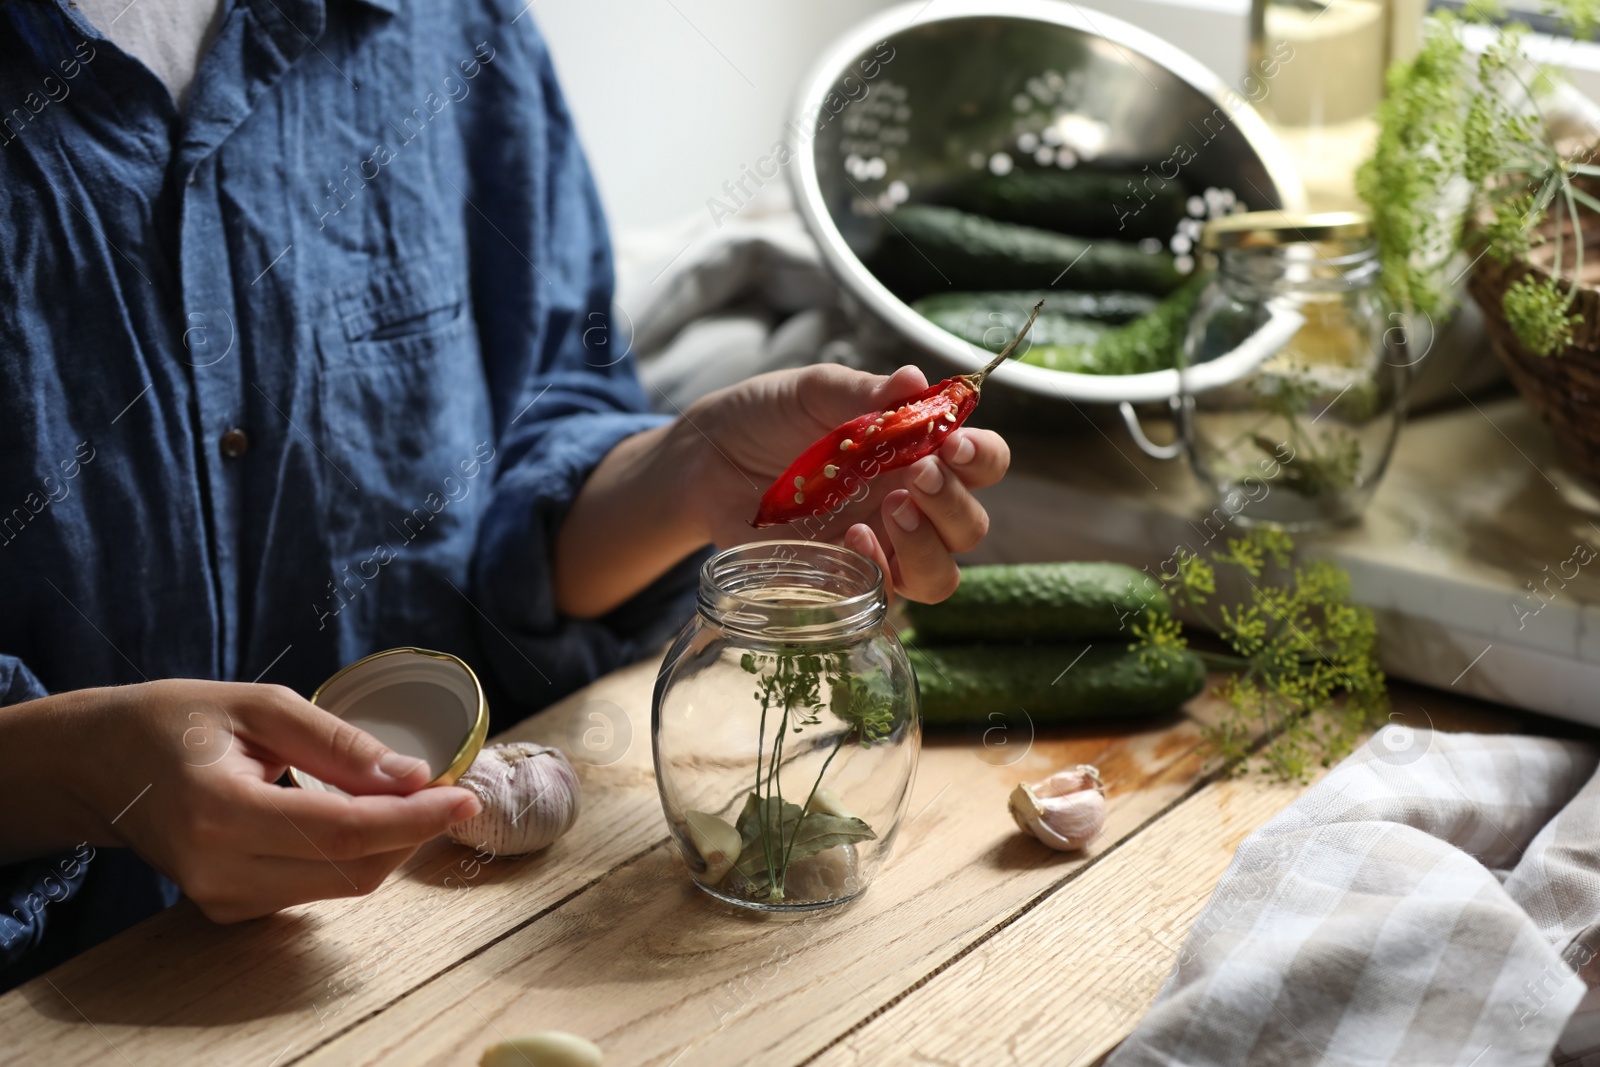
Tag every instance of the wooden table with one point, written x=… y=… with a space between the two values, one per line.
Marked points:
x=974 y=945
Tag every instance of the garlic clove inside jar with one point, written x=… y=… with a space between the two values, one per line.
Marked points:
x=717 y=842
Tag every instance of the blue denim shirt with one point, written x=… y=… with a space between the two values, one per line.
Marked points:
x=313 y=369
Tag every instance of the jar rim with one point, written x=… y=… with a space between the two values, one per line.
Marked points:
x=792 y=591
x=1309 y=267
x=1274 y=229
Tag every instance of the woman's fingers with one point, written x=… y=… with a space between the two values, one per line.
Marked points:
x=831 y=394
x=903 y=384
x=237 y=844
x=979 y=458
x=937 y=515
x=310 y=824
x=302 y=734
x=922 y=566
x=860 y=538
x=949 y=505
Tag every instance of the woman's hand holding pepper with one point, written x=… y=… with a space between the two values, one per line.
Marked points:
x=911 y=521
x=662 y=494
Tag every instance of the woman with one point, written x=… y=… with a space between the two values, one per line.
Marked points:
x=305 y=349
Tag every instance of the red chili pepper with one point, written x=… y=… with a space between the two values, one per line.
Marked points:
x=849 y=456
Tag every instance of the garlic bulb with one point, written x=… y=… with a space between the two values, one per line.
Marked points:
x=529 y=794
x=1065 y=811
x=547 y=1048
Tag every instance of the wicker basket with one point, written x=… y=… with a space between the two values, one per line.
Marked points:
x=1562 y=389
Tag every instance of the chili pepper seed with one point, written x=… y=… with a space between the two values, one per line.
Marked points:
x=830 y=471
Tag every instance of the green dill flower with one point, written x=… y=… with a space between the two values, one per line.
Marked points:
x=1537 y=312
x=1302 y=657
x=1507 y=233
x=1464 y=162
x=865 y=703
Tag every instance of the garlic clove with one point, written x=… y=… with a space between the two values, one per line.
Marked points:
x=830 y=874
x=718 y=843
x=1070 y=780
x=530 y=797
x=1025 y=808
x=548 y=1048
x=1065 y=811
x=827 y=802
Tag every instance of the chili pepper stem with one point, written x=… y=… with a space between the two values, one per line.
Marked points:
x=976 y=380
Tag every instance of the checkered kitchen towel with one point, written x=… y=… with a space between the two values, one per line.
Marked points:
x=1433 y=900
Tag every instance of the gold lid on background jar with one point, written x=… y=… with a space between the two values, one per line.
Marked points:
x=1273 y=229
x=420 y=703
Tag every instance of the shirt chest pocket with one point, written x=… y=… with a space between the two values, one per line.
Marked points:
x=404 y=404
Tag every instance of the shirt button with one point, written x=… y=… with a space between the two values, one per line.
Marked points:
x=235 y=443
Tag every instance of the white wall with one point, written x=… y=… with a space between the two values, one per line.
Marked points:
x=673 y=96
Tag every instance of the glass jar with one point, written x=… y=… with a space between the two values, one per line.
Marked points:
x=1293 y=373
x=785 y=728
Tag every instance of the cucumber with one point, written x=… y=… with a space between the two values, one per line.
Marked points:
x=992 y=324
x=1149 y=343
x=928 y=249
x=1127 y=205
x=1039 y=602
x=989 y=320
x=982 y=685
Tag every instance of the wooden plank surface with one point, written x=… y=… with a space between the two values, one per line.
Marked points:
x=595 y=909
x=1067 y=981
x=604 y=935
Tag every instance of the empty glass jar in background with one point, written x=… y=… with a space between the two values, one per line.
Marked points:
x=1294 y=371
x=785 y=728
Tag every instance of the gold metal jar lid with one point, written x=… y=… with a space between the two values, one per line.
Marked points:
x=418 y=702
x=1273 y=229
